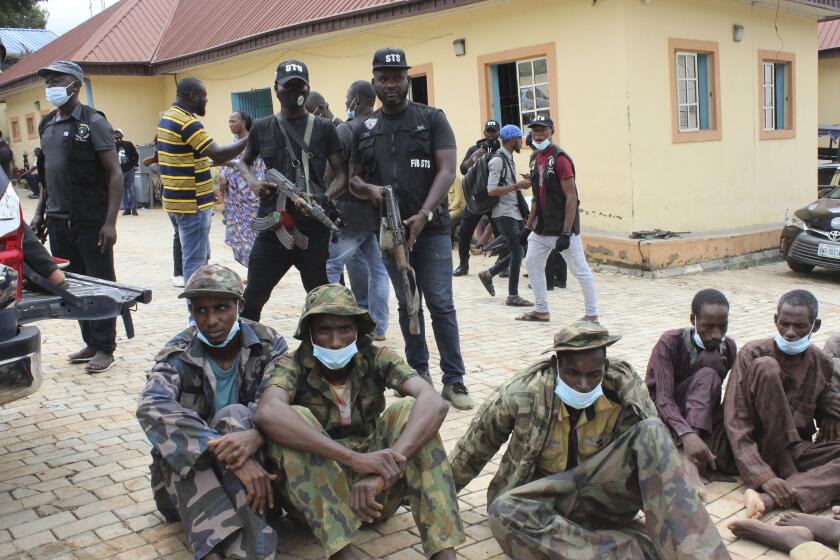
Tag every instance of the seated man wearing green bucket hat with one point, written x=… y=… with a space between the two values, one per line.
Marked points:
x=342 y=457
x=586 y=454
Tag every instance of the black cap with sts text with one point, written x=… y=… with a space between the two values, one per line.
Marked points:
x=492 y=125
x=291 y=70
x=542 y=120
x=390 y=58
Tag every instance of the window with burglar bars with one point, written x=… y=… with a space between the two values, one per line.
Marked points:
x=256 y=102
x=776 y=95
x=532 y=79
x=694 y=90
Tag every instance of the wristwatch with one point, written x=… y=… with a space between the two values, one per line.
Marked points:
x=428 y=213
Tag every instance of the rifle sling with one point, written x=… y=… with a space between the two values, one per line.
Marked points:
x=288 y=131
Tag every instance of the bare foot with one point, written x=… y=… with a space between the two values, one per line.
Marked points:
x=779 y=538
x=757 y=504
x=590 y=318
x=693 y=475
x=825 y=529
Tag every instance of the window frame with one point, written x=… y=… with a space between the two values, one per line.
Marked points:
x=533 y=88
x=419 y=70
x=14 y=124
x=485 y=61
x=789 y=60
x=695 y=47
x=33 y=133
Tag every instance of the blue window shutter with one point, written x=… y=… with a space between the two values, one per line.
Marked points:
x=497 y=102
x=703 y=89
x=781 y=94
x=256 y=102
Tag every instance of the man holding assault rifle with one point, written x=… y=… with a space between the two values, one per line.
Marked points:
x=403 y=159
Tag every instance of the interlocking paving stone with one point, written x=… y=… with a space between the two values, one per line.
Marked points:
x=74 y=479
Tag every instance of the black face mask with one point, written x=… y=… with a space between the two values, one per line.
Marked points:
x=293 y=98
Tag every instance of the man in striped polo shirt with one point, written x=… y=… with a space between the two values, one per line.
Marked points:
x=185 y=152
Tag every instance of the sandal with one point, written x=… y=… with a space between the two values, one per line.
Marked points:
x=534 y=317
x=517 y=301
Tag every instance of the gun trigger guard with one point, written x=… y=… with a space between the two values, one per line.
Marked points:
x=296 y=163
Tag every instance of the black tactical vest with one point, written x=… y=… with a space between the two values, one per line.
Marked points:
x=551 y=218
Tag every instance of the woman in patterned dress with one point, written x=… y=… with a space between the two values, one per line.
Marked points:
x=240 y=203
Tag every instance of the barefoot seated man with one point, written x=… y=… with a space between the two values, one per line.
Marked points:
x=803 y=536
x=685 y=375
x=196 y=410
x=343 y=458
x=777 y=389
x=586 y=453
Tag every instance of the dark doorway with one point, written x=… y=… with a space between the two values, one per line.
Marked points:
x=508 y=93
x=418 y=91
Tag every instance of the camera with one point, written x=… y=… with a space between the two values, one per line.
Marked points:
x=490 y=145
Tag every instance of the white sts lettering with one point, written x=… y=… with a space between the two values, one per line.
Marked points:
x=393 y=58
x=421 y=163
x=294 y=68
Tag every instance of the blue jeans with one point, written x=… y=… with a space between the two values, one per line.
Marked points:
x=129 y=201
x=194 y=233
x=368 y=277
x=432 y=263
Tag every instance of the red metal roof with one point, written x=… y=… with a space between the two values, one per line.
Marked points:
x=828 y=34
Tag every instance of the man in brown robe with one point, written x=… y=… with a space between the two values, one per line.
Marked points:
x=685 y=375
x=778 y=388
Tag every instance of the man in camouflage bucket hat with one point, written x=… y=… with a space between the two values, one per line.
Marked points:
x=197 y=411
x=572 y=493
x=342 y=457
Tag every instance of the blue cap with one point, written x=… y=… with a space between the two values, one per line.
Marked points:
x=509 y=132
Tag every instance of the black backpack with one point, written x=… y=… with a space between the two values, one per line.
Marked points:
x=475 y=184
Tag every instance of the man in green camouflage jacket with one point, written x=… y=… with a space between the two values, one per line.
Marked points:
x=197 y=411
x=343 y=458
x=586 y=453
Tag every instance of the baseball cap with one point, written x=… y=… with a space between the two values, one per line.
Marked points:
x=492 y=125
x=289 y=70
x=542 y=120
x=390 y=58
x=63 y=67
x=213 y=280
x=510 y=131
x=582 y=335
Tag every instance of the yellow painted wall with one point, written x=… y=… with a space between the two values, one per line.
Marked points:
x=20 y=104
x=829 y=92
x=131 y=103
x=738 y=180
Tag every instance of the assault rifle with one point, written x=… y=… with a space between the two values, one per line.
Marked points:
x=393 y=240
x=274 y=221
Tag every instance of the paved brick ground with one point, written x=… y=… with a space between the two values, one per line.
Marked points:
x=73 y=462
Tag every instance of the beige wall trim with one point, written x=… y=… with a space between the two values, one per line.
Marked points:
x=715 y=123
x=486 y=60
x=428 y=71
x=790 y=116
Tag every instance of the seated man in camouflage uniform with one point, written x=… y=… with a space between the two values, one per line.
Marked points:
x=572 y=493
x=197 y=411
x=341 y=460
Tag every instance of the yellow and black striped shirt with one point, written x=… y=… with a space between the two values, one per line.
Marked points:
x=184 y=167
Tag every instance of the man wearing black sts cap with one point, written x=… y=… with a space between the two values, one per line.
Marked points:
x=412 y=148
x=298 y=145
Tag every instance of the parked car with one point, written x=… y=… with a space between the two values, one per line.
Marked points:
x=811 y=236
x=80 y=298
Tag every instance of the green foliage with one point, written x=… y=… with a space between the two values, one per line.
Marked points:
x=22 y=13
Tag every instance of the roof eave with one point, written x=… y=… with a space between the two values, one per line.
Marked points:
x=90 y=69
x=331 y=24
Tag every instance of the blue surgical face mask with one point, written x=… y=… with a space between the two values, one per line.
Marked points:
x=697 y=340
x=792 y=348
x=234 y=330
x=576 y=399
x=351 y=115
x=334 y=359
x=541 y=145
x=58 y=95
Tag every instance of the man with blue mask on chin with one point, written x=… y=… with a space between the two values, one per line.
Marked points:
x=780 y=391
x=586 y=452
x=342 y=457
x=197 y=411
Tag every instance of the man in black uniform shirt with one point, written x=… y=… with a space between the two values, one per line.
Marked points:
x=278 y=140
x=469 y=221
x=412 y=148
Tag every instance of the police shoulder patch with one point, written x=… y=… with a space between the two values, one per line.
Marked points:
x=370 y=123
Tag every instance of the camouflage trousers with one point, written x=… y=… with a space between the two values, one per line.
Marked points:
x=318 y=490
x=211 y=502
x=588 y=512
